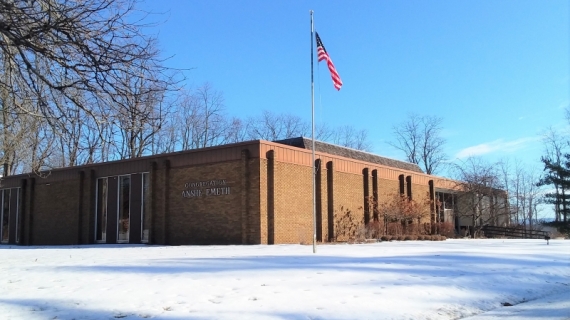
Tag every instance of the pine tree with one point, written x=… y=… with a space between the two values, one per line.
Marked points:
x=557 y=174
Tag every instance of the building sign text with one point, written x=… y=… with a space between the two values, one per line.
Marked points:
x=215 y=187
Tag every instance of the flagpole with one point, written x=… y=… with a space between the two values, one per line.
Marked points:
x=314 y=172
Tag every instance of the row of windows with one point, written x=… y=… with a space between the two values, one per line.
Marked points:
x=9 y=210
x=122 y=202
x=119 y=200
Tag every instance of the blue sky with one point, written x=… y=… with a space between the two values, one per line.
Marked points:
x=498 y=72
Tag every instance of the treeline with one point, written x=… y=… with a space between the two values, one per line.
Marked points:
x=81 y=82
x=146 y=125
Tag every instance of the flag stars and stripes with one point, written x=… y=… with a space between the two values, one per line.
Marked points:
x=323 y=55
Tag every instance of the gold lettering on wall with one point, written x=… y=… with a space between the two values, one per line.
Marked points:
x=206 y=188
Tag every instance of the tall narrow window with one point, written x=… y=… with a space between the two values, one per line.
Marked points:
x=145 y=225
x=124 y=208
x=5 y=215
x=102 y=194
x=17 y=195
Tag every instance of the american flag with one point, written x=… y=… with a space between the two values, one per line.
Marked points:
x=323 y=55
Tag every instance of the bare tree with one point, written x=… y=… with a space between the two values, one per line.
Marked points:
x=348 y=136
x=236 y=131
x=165 y=140
x=419 y=137
x=273 y=126
x=202 y=118
x=13 y=133
x=41 y=146
x=23 y=135
x=529 y=196
x=141 y=112
x=482 y=199
x=91 y=44
x=12 y=125
x=524 y=194
x=212 y=112
x=324 y=132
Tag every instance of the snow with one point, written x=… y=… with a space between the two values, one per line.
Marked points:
x=452 y=279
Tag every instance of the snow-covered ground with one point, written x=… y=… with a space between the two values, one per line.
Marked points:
x=451 y=279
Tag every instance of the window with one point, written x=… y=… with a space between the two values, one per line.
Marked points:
x=102 y=194
x=145 y=225
x=17 y=195
x=5 y=232
x=124 y=208
x=446 y=206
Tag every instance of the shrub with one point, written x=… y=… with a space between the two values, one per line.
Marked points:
x=374 y=229
x=394 y=228
x=386 y=238
x=348 y=226
x=446 y=229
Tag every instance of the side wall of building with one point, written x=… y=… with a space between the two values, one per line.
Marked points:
x=207 y=196
x=348 y=193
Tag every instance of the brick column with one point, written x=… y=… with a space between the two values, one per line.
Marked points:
x=21 y=211
x=409 y=187
x=245 y=187
x=91 y=207
x=375 y=195
x=80 y=210
x=165 y=199
x=366 y=187
x=330 y=200
x=432 y=207
x=28 y=212
x=270 y=197
x=318 y=199
x=153 y=212
x=402 y=184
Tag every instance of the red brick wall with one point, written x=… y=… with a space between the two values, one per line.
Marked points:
x=293 y=204
x=270 y=199
x=55 y=220
x=213 y=216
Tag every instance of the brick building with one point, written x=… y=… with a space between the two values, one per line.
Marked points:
x=255 y=192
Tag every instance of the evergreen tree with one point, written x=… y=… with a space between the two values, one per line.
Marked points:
x=557 y=174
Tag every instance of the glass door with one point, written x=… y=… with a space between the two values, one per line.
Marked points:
x=124 y=217
x=145 y=210
x=5 y=216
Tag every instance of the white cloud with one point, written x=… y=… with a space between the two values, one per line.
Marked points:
x=495 y=146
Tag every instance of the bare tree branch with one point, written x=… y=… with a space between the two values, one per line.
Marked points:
x=419 y=137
